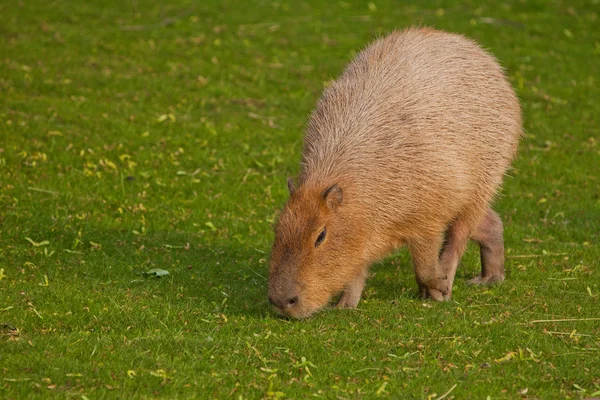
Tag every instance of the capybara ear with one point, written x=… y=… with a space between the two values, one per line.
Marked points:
x=333 y=196
x=291 y=186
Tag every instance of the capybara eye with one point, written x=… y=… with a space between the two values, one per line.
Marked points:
x=321 y=237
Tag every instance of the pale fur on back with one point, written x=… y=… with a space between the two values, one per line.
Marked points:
x=419 y=128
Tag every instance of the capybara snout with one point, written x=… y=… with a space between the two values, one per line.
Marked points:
x=408 y=146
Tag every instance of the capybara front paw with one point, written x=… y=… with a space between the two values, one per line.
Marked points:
x=348 y=300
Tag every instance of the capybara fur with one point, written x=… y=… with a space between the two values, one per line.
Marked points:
x=408 y=147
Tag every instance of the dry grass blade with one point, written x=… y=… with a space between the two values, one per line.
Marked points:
x=448 y=392
x=537 y=255
x=539 y=321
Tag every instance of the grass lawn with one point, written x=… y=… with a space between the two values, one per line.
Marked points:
x=159 y=135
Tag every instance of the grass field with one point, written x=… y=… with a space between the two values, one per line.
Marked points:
x=149 y=135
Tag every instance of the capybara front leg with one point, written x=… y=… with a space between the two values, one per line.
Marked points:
x=432 y=280
x=353 y=291
x=491 y=243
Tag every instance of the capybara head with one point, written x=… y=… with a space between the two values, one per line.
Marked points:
x=314 y=254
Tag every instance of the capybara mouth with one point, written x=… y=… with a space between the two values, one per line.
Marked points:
x=292 y=314
x=299 y=310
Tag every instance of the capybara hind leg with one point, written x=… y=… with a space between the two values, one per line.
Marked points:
x=353 y=291
x=455 y=244
x=491 y=243
x=432 y=281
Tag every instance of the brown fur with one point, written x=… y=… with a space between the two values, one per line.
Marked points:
x=414 y=138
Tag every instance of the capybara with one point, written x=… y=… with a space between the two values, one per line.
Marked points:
x=407 y=147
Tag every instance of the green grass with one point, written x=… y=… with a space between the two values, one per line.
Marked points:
x=140 y=135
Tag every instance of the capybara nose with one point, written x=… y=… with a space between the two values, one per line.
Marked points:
x=283 y=302
x=291 y=302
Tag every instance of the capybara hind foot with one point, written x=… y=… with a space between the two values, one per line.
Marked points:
x=435 y=288
x=440 y=294
x=432 y=281
x=486 y=280
x=491 y=243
